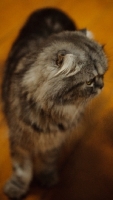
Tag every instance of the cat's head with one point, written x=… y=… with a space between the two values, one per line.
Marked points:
x=69 y=69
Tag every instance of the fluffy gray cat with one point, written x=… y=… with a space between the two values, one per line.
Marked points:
x=52 y=71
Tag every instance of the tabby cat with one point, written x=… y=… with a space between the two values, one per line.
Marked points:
x=51 y=73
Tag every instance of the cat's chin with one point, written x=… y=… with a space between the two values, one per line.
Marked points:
x=96 y=93
x=99 y=91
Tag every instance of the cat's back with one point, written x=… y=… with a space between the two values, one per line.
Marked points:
x=45 y=22
x=39 y=26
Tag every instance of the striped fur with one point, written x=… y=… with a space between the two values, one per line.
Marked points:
x=51 y=73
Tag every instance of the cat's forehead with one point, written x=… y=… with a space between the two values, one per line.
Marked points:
x=94 y=68
x=86 y=52
x=91 y=55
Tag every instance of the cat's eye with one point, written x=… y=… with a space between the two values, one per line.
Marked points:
x=89 y=82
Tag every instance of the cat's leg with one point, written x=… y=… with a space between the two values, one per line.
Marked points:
x=47 y=169
x=18 y=184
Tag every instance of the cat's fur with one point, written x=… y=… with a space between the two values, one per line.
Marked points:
x=48 y=80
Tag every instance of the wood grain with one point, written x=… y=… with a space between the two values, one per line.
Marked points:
x=87 y=173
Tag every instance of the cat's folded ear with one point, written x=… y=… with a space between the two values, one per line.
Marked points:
x=87 y=33
x=67 y=64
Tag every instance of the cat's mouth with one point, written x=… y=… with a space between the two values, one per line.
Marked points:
x=95 y=93
x=98 y=91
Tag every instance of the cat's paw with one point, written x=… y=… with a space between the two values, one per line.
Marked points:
x=14 y=189
x=48 y=179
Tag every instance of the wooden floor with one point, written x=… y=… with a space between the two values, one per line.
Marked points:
x=88 y=172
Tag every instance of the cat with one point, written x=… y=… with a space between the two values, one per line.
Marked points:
x=52 y=72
